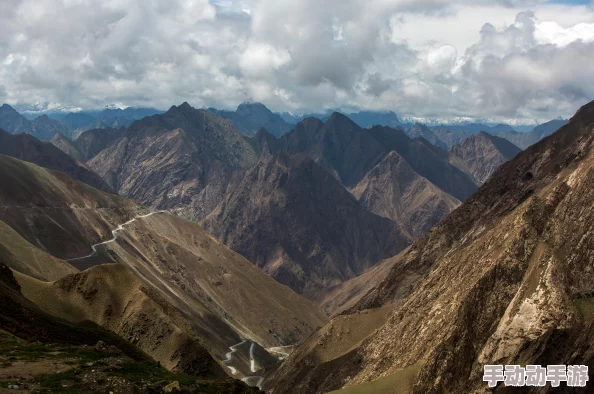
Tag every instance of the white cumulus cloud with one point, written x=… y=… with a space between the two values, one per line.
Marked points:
x=513 y=59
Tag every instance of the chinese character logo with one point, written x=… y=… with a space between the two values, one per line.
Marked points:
x=536 y=375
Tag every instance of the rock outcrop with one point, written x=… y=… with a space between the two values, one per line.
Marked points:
x=505 y=279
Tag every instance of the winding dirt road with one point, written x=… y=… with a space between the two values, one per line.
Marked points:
x=115 y=235
x=248 y=379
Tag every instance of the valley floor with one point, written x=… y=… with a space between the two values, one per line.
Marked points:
x=34 y=367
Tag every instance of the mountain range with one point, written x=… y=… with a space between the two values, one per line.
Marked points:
x=162 y=283
x=28 y=148
x=503 y=279
x=220 y=250
x=250 y=117
x=254 y=193
x=203 y=168
x=41 y=127
x=481 y=154
x=71 y=124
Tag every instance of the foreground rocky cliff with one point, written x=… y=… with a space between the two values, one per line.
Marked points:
x=505 y=279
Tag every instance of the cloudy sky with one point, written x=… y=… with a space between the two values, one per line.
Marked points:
x=486 y=59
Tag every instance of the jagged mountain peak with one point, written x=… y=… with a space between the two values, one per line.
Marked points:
x=251 y=105
x=481 y=154
x=341 y=119
x=185 y=106
x=7 y=107
x=419 y=125
x=250 y=116
x=501 y=280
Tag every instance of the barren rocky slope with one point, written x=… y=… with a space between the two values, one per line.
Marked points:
x=93 y=141
x=29 y=148
x=54 y=212
x=20 y=255
x=42 y=352
x=292 y=218
x=450 y=137
x=67 y=146
x=504 y=279
x=248 y=118
x=482 y=154
x=524 y=140
x=421 y=131
x=42 y=127
x=428 y=161
x=392 y=189
x=215 y=296
x=114 y=298
x=181 y=159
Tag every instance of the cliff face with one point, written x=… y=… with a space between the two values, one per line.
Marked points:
x=504 y=279
x=296 y=221
x=392 y=189
x=482 y=154
x=181 y=159
x=256 y=193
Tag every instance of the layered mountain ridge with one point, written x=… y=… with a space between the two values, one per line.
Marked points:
x=26 y=147
x=501 y=280
x=481 y=155
x=177 y=281
x=270 y=215
x=200 y=166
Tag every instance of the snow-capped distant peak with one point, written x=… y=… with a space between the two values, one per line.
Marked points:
x=116 y=106
x=43 y=107
x=461 y=121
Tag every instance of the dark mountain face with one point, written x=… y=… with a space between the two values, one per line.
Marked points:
x=107 y=118
x=524 y=140
x=28 y=148
x=427 y=160
x=183 y=159
x=91 y=142
x=77 y=120
x=422 y=131
x=338 y=145
x=481 y=154
x=13 y=122
x=293 y=219
x=548 y=128
x=264 y=144
x=364 y=119
x=250 y=117
x=294 y=119
x=501 y=280
x=449 y=137
x=42 y=128
x=392 y=189
x=46 y=128
x=67 y=146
